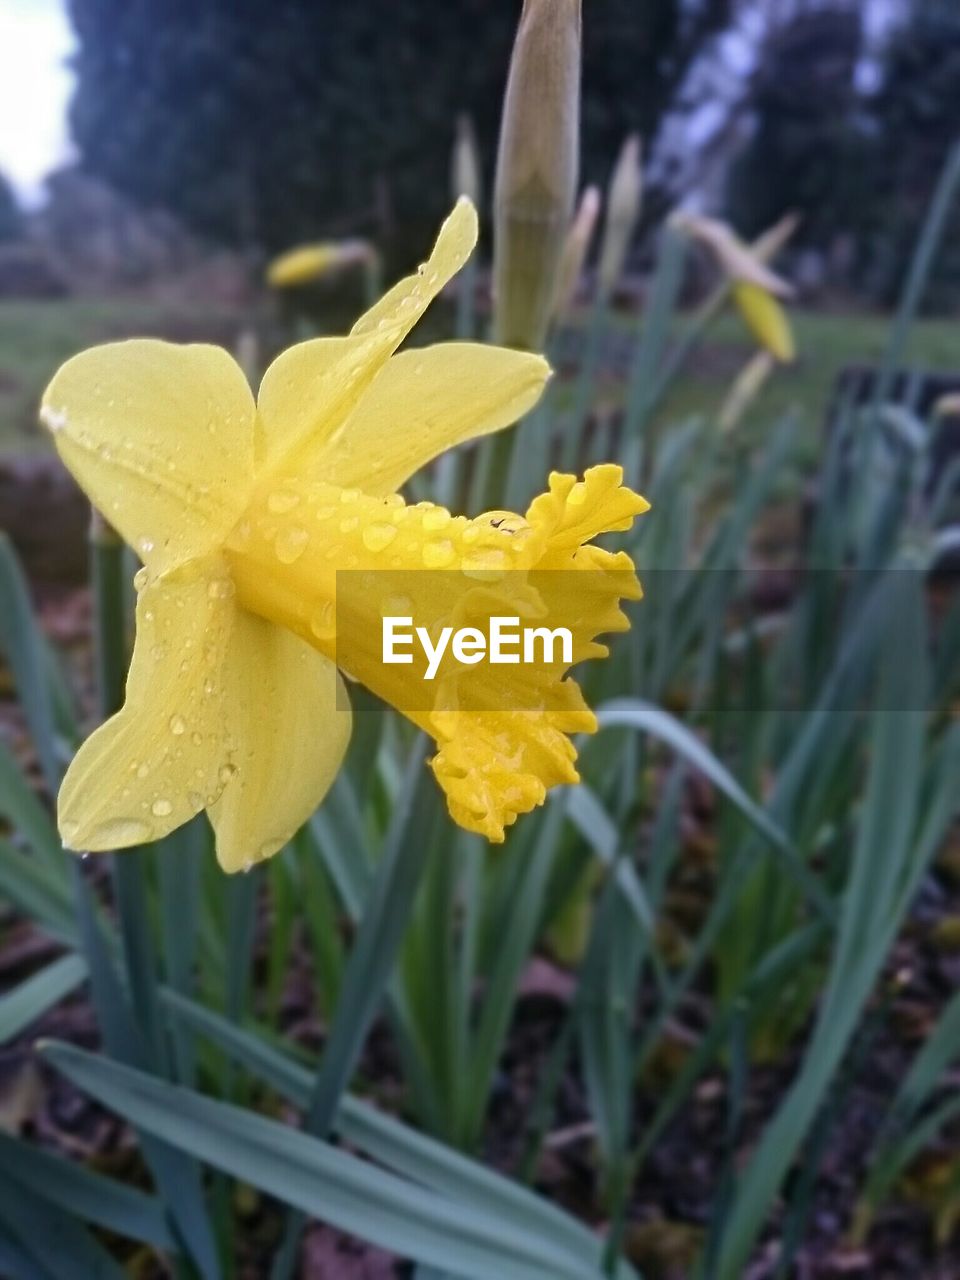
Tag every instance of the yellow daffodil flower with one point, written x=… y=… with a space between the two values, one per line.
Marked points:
x=755 y=287
x=309 y=262
x=248 y=515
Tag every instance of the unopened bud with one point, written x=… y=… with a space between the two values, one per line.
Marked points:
x=755 y=286
x=310 y=262
x=623 y=210
x=766 y=319
x=536 y=168
x=575 y=250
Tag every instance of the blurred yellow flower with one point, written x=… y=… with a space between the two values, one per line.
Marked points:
x=243 y=513
x=766 y=319
x=312 y=261
x=756 y=288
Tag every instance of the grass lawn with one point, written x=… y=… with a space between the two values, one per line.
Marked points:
x=35 y=337
x=826 y=344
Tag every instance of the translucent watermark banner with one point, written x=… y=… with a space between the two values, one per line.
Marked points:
x=747 y=640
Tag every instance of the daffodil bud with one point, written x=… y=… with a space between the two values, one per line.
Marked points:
x=536 y=168
x=623 y=210
x=755 y=287
x=310 y=262
x=575 y=250
x=466 y=162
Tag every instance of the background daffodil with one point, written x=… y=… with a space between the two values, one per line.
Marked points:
x=307 y=262
x=243 y=513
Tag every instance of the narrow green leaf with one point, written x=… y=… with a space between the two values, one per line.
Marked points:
x=33 y=997
x=319 y=1179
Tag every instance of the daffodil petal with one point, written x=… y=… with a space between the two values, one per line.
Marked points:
x=162 y=758
x=288 y=725
x=499 y=761
x=426 y=401
x=402 y=306
x=310 y=390
x=160 y=438
x=766 y=320
x=502 y=731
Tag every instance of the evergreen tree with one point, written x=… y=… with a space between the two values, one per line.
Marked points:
x=267 y=121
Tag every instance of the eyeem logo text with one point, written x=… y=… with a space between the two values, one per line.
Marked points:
x=507 y=643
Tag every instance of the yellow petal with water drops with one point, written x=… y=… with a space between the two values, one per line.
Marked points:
x=330 y=564
x=312 y=387
x=508 y=742
x=402 y=306
x=288 y=724
x=766 y=320
x=160 y=438
x=423 y=402
x=162 y=757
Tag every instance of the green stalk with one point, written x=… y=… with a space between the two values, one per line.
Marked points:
x=129 y=879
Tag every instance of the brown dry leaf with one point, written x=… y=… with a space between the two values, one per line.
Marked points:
x=542 y=978
x=663 y=1250
x=21 y=1095
x=328 y=1255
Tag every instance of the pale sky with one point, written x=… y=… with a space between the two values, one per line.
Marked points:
x=35 y=84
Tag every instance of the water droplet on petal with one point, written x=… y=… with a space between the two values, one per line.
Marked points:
x=141 y=578
x=378 y=536
x=161 y=808
x=195 y=800
x=323 y=624
x=221 y=589
x=436 y=519
x=197 y=739
x=349 y=524
x=396 y=607
x=177 y=725
x=324 y=513
x=142 y=770
x=281 y=501
x=291 y=544
x=349 y=495
x=120 y=833
x=145 y=546
x=437 y=555
x=226 y=772
x=486 y=566
x=54 y=419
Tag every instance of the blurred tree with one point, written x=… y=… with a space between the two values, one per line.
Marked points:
x=808 y=148
x=11 y=219
x=915 y=113
x=268 y=121
x=855 y=138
